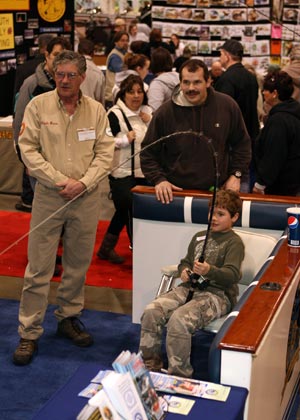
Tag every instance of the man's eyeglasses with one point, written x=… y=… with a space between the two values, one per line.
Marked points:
x=61 y=75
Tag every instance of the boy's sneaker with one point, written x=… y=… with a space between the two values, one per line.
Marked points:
x=25 y=351
x=74 y=329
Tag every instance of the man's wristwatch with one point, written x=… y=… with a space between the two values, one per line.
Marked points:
x=237 y=174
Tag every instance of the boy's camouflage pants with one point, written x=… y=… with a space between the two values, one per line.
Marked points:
x=182 y=320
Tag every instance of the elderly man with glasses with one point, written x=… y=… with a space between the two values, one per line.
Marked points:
x=64 y=146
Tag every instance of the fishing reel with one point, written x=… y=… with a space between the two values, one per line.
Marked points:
x=197 y=281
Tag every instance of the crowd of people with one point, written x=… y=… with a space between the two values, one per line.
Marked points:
x=73 y=125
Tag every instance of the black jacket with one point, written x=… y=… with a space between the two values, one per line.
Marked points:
x=277 y=154
x=149 y=47
x=187 y=160
x=242 y=86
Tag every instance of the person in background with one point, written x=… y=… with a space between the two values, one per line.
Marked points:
x=239 y=83
x=187 y=161
x=115 y=64
x=64 y=147
x=39 y=82
x=277 y=153
x=242 y=86
x=145 y=14
x=266 y=107
x=128 y=119
x=165 y=80
x=137 y=47
x=178 y=45
x=186 y=55
x=22 y=72
x=260 y=102
x=94 y=83
x=293 y=70
x=216 y=296
x=134 y=34
x=28 y=68
x=142 y=27
x=215 y=72
x=155 y=41
x=137 y=64
x=119 y=25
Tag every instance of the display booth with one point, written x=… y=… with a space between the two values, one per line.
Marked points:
x=66 y=404
x=257 y=347
x=22 y=22
x=11 y=168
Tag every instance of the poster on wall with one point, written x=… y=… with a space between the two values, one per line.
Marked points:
x=6 y=31
x=14 y=5
x=51 y=12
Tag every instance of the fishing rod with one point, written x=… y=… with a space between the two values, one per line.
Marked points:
x=194 y=278
x=132 y=156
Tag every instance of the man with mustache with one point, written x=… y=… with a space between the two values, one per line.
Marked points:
x=185 y=161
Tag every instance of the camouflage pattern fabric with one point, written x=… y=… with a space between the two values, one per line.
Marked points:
x=182 y=320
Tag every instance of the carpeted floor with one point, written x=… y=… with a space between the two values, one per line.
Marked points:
x=15 y=225
x=24 y=389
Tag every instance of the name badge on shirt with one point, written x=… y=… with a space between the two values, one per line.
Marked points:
x=85 y=134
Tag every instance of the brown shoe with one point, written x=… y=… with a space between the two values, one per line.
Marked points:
x=74 y=329
x=25 y=351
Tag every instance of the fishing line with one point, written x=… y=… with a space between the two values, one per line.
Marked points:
x=164 y=138
x=194 y=278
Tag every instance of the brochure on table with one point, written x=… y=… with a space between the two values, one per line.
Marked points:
x=130 y=391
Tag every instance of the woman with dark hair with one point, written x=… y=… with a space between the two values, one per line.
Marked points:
x=137 y=64
x=135 y=34
x=128 y=120
x=277 y=154
x=156 y=41
x=165 y=80
x=178 y=45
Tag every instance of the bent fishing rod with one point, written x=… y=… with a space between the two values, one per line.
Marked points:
x=194 y=278
x=132 y=156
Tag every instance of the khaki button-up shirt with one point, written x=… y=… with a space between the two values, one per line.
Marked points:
x=56 y=146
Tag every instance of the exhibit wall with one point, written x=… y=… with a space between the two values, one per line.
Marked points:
x=266 y=28
x=21 y=22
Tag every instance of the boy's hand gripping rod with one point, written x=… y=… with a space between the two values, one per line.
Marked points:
x=193 y=276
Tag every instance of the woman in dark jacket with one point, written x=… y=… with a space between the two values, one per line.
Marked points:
x=277 y=153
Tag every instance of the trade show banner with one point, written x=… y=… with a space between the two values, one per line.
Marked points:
x=21 y=23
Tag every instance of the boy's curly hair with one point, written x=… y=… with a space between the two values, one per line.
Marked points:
x=229 y=200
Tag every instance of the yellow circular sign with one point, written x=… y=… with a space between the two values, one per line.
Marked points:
x=51 y=10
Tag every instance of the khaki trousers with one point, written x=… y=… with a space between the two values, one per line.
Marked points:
x=79 y=220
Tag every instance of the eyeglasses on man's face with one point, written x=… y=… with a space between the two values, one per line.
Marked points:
x=60 y=75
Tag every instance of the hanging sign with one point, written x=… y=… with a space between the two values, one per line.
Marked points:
x=14 y=5
x=6 y=31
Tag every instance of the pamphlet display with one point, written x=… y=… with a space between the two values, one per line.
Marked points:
x=131 y=392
